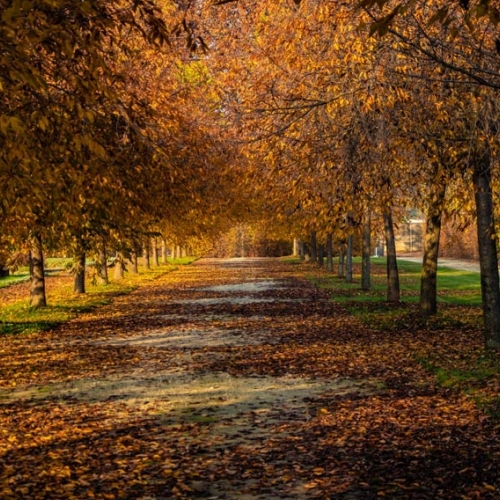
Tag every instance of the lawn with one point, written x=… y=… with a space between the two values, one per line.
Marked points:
x=459 y=315
x=17 y=317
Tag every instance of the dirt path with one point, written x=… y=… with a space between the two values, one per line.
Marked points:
x=227 y=380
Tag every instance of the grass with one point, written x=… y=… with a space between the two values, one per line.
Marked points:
x=455 y=366
x=12 y=279
x=454 y=287
x=19 y=318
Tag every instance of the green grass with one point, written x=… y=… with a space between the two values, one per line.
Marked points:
x=454 y=287
x=12 y=279
x=20 y=318
x=478 y=379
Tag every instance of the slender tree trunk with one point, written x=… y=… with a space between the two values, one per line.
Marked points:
x=119 y=270
x=366 y=256
x=321 y=255
x=341 y=267
x=428 y=279
x=37 y=274
x=348 y=266
x=147 y=255
x=393 y=291
x=102 y=264
x=307 y=252
x=296 y=244
x=79 y=286
x=488 y=259
x=314 y=247
x=134 y=261
x=164 y=251
x=156 y=256
x=329 y=253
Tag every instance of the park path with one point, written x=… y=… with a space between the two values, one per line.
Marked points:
x=458 y=264
x=155 y=355
x=233 y=379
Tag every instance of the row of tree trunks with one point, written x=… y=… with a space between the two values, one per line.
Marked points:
x=345 y=264
x=37 y=272
x=487 y=244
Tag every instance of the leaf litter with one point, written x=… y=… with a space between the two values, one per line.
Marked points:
x=271 y=399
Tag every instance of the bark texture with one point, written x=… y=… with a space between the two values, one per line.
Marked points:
x=314 y=247
x=341 y=267
x=348 y=258
x=134 y=263
x=102 y=265
x=488 y=259
x=366 y=255
x=329 y=252
x=147 y=256
x=321 y=255
x=119 y=270
x=393 y=291
x=428 y=279
x=37 y=274
x=79 y=286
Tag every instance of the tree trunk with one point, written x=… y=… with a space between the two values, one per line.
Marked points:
x=156 y=255
x=321 y=255
x=37 y=274
x=134 y=261
x=341 y=268
x=348 y=266
x=428 y=279
x=329 y=253
x=79 y=286
x=488 y=259
x=164 y=251
x=296 y=244
x=314 y=248
x=147 y=256
x=393 y=292
x=367 y=248
x=102 y=265
x=119 y=271
x=302 y=251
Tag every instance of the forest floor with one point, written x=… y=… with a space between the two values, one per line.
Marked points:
x=239 y=379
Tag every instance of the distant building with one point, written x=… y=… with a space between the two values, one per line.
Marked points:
x=410 y=236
